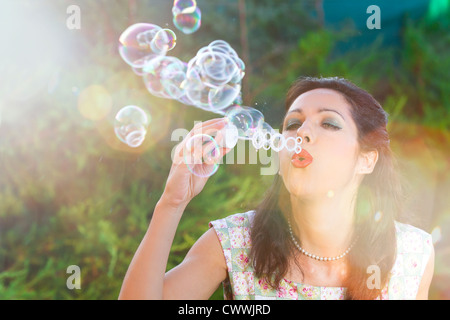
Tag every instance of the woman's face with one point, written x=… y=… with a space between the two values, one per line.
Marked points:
x=322 y=118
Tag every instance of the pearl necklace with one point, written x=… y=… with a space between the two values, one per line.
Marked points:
x=306 y=253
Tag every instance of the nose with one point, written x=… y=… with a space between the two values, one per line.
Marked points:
x=304 y=133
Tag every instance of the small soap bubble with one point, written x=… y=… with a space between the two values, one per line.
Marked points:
x=188 y=22
x=298 y=149
x=277 y=142
x=131 y=124
x=202 y=155
x=290 y=144
x=163 y=41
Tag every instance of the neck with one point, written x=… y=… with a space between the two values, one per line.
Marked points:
x=324 y=225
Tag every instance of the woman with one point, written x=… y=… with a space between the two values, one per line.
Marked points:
x=325 y=230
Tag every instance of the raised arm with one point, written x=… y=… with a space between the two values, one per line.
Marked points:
x=203 y=269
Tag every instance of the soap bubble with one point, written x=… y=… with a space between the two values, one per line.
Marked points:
x=290 y=144
x=186 y=21
x=218 y=68
x=257 y=122
x=227 y=137
x=222 y=97
x=130 y=126
x=164 y=77
x=247 y=120
x=258 y=140
x=163 y=41
x=140 y=65
x=277 y=142
x=184 y=6
x=267 y=138
x=213 y=77
x=202 y=155
x=241 y=119
x=135 y=43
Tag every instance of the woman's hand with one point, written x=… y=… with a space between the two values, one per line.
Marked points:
x=149 y=263
x=182 y=185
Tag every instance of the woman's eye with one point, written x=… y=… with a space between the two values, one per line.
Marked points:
x=293 y=125
x=331 y=126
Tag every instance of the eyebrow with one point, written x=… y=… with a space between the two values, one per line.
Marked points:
x=318 y=111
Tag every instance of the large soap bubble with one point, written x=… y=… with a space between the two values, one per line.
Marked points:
x=143 y=40
x=247 y=120
x=241 y=119
x=131 y=124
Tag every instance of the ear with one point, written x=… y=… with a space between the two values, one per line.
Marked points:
x=367 y=161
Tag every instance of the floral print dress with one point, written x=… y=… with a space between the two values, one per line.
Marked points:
x=414 y=248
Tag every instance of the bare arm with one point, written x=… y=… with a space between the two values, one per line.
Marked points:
x=197 y=277
x=201 y=272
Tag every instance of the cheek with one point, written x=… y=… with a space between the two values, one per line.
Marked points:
x=339 y=159
x=284 y=159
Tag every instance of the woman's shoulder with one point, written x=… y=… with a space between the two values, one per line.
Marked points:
x=414 y=248
x=237 y=220
x=233 y=232
x=411 y=239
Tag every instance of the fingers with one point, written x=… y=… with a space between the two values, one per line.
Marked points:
x=209 y=127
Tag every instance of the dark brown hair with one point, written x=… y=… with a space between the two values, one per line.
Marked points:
x=378 y=201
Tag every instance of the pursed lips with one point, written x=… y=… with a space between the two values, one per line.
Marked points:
x=302 y=159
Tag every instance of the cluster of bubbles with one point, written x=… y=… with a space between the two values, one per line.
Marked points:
x=211 y=81
x=276 y=141
x=213 y=77
x=187 y=17
x=142 y=42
